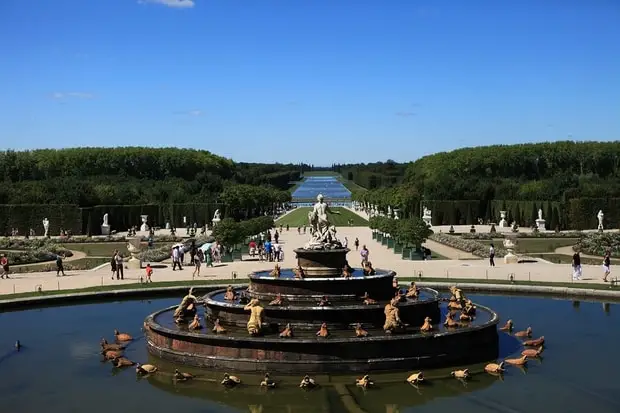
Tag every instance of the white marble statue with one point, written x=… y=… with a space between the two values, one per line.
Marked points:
x=600 y=217
x=105 y=226
x=426 y=212
x=217 y=216
x=396 y=214
x=540 y=214
x=46 y=226
x=144 y=227
x=320 y=233
x=389 y=211
x=502 y=219
x=167 y=225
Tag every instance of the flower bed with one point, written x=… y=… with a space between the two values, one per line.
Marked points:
x=488 y=236
x=46 y=252
x=468 y=245
x=596 y=243
x=11 y=243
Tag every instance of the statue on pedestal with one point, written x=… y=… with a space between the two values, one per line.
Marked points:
x=144 y=227
x=320 y=233
x=426 y=216
x=105 y=226
x=540 y=214
x=600 y=217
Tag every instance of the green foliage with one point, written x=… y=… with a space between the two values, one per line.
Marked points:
x=412 y=232
x=230 y=233
x=47 y=252
x=542 y=171
x=596 y=243
x=401 y=197
x=373 y=175
x=582 y=212
x=242 y=199
x=24 y=217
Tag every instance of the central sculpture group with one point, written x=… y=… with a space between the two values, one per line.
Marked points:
x=323 y=322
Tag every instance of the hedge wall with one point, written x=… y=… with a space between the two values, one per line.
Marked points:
x=26 y=216
x=525 y=213
x=582 y=212
x=122 y=217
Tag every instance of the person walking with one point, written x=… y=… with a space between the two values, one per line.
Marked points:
x=175 y=259
x=576 y=266
x=606 y=265
x=149 y=273
x=364 y=253
x=492 y=255
x=113 y=263
x=356 y=243
x=4 y=266
x=119 y=266
x=345 y=244
x=59 y=266
x=198 y=258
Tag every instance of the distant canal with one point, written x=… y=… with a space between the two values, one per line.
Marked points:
x=331 y=188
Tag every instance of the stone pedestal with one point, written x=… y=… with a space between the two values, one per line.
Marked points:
x=134 y=247
x=215 y=221
x=428 y=220
x=322 y=263
x=105 y=230
x=540 y=224
x=510 y=257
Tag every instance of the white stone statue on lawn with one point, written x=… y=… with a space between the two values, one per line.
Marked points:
x=46 y=226
x=600 y=217
x=105 y=219
x=540 y=214
x=319 y=224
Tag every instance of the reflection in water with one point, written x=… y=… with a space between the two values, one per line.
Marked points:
x=60 y=364
x=576 y=305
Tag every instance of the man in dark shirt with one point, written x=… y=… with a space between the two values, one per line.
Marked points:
x=607 y=265
x=576 y=267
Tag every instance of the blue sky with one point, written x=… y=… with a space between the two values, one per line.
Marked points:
x=319 y=81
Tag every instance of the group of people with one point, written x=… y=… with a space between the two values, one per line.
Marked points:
x=267 y=250
x=578 y=271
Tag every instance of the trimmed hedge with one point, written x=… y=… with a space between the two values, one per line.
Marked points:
x=582 y=212
x=24 y=217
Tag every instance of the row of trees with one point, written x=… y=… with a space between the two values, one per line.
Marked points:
x=541 y=171
x=410 y=232
x=132 y=176
x=230 y=232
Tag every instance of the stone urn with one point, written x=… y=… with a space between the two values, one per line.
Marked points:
x=134 y=246
x=510 y=257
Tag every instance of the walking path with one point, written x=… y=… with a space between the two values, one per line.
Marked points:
x=380 y=255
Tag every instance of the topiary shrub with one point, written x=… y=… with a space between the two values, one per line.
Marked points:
x=596 y=243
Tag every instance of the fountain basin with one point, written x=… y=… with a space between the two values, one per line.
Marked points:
x=307 y=289
x=377 y=352
x=310 y=315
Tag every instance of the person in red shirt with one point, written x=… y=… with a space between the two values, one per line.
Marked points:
x=4 y=263
x=149 y=272
x=252 y=248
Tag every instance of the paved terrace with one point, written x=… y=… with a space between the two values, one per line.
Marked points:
x=460 y=265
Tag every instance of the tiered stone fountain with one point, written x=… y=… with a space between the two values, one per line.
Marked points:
x=322 y=297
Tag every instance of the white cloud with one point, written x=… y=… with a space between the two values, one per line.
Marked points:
x=74 y=95
x=177 y=4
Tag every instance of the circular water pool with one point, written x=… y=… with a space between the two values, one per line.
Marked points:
x=59 y=368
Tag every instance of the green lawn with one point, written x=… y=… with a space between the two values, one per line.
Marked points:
x=79 y=264
x=299 y=218
x=537 y=245
x=351 y=186
x=99 y=249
